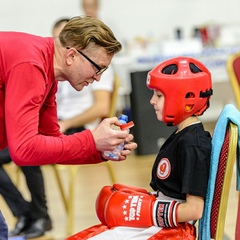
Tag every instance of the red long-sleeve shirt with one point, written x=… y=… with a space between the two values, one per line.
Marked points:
x=28 y=115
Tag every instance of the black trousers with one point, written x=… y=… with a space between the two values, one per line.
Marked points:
x=37 y=207
x=3 y=228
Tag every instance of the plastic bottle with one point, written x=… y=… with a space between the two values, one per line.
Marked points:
x=116 y=152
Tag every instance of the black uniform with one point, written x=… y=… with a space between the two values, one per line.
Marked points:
x=182 y=164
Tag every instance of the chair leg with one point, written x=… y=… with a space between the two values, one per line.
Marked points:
x=111 y=172
x=68 y=201
x=72 y=181
x=16 y=178
x=60 y=185
x=237 y=230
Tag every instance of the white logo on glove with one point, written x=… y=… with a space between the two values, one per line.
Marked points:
x=132 y=208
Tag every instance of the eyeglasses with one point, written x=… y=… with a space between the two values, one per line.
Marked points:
x=99 y=69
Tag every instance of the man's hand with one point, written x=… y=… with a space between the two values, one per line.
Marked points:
x=106 y=138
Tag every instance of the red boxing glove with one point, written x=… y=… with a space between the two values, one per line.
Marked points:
x=105 y=194
x=130 y=189
x=121 y=205
x=101 y=200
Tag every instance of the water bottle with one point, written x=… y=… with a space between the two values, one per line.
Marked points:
x=116 y=152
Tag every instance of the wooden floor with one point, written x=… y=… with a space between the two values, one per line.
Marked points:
x=134 y=171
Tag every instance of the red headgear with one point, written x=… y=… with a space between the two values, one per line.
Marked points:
x=186 y=85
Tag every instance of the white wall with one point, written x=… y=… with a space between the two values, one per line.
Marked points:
x=127 y=18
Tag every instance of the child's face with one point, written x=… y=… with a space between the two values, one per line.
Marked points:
x=157 y=101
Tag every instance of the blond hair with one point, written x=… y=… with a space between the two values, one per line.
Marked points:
x=79 y=32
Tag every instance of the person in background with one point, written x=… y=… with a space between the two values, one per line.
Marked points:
x=85 y=109
x=182 y=88
x=90 y=7
x=32 y=216
x=58 y=26
x=30 y=68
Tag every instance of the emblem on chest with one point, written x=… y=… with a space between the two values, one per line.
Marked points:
x=164 y=168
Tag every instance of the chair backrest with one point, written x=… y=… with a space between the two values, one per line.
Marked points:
x=233 y=69
x=237 y=228
x=114 y=96
x=225 y=148
x=223 y=182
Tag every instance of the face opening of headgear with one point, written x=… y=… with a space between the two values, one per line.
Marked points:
x=186 y=85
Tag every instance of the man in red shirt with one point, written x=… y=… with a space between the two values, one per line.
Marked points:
x=30 y=67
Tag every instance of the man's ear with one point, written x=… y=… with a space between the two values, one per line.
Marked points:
x=70 y=56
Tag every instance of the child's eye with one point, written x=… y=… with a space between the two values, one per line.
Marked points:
x=158 y=93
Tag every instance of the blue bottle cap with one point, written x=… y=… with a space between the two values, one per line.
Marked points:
x=123 y=118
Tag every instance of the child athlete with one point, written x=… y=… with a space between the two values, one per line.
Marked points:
x=181 y=91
